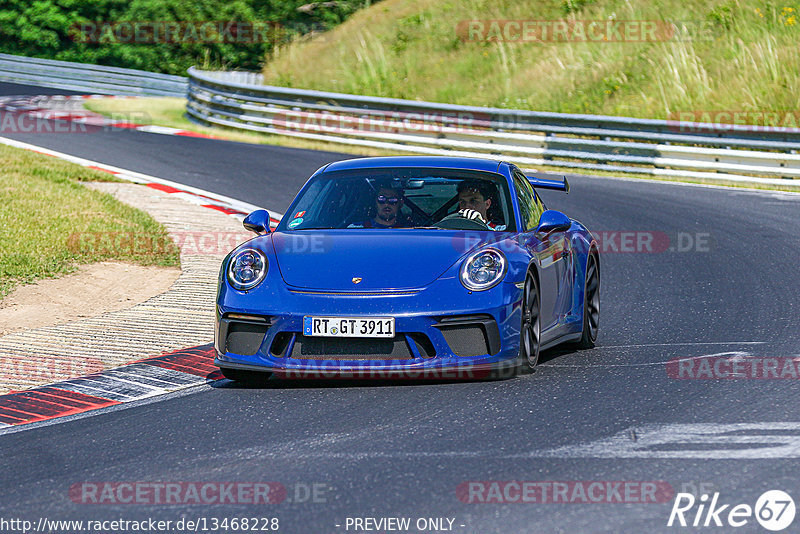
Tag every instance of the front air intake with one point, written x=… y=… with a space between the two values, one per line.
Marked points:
x=331 y=348
x=470 y=335
x=242 y=336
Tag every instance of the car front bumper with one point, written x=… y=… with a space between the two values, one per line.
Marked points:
x=447 y=333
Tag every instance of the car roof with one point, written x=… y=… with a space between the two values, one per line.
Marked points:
x=438 y=162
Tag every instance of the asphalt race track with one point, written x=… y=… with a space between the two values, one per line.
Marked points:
x=721 y=278
x=13 y=89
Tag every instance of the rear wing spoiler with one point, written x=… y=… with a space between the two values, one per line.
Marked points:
x=543 y=183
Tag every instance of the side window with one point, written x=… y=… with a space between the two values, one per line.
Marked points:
x=529 y=205
x=540 y=208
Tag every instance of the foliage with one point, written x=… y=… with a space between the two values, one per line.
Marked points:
x=73 y=30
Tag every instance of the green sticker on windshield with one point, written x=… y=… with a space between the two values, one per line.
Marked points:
x=295 y=223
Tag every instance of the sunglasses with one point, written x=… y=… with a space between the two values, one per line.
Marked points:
x=383 y=199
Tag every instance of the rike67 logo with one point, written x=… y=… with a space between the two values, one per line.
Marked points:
x=774 y=510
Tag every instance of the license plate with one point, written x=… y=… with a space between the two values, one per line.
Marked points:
x=348 y=326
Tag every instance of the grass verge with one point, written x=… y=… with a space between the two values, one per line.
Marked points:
x=46 y=211
x=709 y=55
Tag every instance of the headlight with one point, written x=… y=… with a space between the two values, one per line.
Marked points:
x=246 y=269
x=483 y=270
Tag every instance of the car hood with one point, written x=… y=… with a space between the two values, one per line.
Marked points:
x=381 y=259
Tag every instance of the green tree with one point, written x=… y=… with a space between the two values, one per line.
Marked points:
x=58 y=29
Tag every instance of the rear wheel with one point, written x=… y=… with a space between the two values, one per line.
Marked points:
x=246 y=378
x=529 y=335
x=591 y=304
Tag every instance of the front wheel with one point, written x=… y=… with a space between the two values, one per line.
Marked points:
x=530 y=331
x=591 y=304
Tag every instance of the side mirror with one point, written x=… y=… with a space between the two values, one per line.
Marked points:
x=553 y=221
x=257 y=222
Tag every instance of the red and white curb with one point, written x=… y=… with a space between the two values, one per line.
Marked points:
x=136 y=381
x=70 y=108
x=207 y=199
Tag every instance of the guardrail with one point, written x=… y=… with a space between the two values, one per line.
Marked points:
x=89 y=78
x=566 y=141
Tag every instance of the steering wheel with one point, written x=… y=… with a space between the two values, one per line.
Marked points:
x=456 y=221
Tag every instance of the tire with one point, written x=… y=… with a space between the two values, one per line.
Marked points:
x=591 y=304
x=530 y=328
x=246 y=378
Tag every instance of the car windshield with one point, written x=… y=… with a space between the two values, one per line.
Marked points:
x=400 y=198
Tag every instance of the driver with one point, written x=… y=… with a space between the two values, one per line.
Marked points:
x=474 y=201
x=388 y=202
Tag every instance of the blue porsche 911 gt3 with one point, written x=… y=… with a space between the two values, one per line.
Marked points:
x=407 y=267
